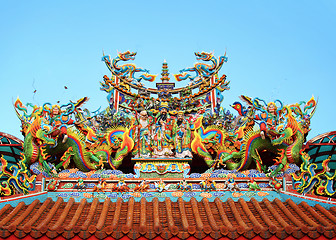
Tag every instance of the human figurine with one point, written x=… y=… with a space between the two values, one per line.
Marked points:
x=270 y=119
x=143 y=136
x=100 y=182
x=232 y=185
x=59 y=123
x=184 y=186
x=144 y=185
x=208 y=184
x=120 y=186
x=121 y=183
x=100 y=187
x=181 y=136
x=80 y=184
x=162 y=140
x=160 y=185
x=53 y=170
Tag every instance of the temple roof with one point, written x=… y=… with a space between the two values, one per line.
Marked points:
x=10 y=149
x=167 y=219
x=321 y=147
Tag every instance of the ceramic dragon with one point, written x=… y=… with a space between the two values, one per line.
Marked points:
x=253 y=145
x=202 y=70
x=284 y=141
x=83 y=148
x=127 y=70
x=247 y=146
x=15 y=177
x=309 y=180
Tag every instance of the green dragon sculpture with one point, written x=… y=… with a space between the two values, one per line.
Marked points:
x=282 y=146
x=285 y=145
x=83 y=148
x=75 y=150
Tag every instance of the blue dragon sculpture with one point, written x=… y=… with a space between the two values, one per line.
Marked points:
x=127 y=70
x=202 y=70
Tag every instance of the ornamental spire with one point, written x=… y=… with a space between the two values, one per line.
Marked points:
x=165 y=72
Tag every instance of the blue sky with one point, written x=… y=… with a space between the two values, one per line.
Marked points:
x=277 y=49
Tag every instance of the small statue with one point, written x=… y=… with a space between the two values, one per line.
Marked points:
x=143 y=138
x=253 y=185
x=232 y=185
x=162 y=139
x=52 y=185
x=121 y=182
x=59 y=122
x=275 y=184
x=143 y=186
x=207 y=184
x=160 y=186
x=101 y=185
x=184 y=186
x=181 y=136
x=121 y=186
x=80 y=185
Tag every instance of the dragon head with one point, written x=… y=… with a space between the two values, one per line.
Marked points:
x=127 y=55
x=203 y=56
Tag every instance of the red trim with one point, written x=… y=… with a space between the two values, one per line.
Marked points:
x=44 y=237
x=11 y=137
x=320 y=137
x=294 y=193
x=4 y=199
x=11 y=145
x=116 y=95
x=213 y=96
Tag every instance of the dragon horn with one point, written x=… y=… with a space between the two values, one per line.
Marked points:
x=312 y=113
x=17 y=113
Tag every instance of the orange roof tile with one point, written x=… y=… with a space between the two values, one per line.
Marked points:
x=167 y=219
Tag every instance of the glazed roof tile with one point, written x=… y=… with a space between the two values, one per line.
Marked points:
x=167 y=219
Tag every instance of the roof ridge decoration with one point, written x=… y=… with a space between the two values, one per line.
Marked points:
x=167 y=131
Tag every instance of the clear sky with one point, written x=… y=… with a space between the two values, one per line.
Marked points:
x=277 y=49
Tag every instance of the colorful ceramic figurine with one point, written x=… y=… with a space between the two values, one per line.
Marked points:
x=184 y=186
x=145 y=124
x=232 y=185
x=143 y=136
x=208 y=184
x=162 y=139
x=101 y=185
x=142 y=187
x=160 y=186
x=80 y=185
x=253 y=185
x=181 y=136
